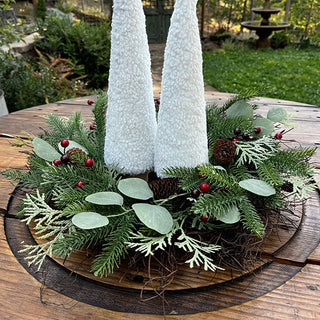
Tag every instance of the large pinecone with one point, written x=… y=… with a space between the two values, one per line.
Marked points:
x=224 y=151
x=164 y=188
x=73 y=152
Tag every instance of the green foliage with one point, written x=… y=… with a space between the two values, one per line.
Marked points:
x=288 y=74
x=280 y=40
x=41 y=10
x=87 y=46
x=18 y=79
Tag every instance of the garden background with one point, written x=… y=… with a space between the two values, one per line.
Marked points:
x=70 y=56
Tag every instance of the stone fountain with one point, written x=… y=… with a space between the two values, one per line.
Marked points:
x=264 y=28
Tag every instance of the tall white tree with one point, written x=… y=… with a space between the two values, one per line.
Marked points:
x=182 y=135
x=131 y=120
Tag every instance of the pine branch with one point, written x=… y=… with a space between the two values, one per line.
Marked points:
x=217 y=204
x=254 y=152
x=269 y=174
x=250 y=217
x=114 y=247
x=201 y=251
x=294 y=162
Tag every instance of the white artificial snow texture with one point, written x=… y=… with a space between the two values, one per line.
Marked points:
x=181 y=138
x=131 y=120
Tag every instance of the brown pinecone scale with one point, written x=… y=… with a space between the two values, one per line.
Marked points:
x=224 y=151
x=164 y=188
x=74 y=152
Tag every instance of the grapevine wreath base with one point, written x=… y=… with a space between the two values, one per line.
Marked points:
x=217 y=218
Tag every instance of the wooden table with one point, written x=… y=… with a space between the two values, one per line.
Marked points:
x=289 y=288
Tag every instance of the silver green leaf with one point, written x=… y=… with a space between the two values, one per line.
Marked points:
x=89 y=220
x=45 y=150
x=277 y=114
x=154 y=217
x=106 y=198
x=266 y=126
x=135 y=188
x=258 y=187
x=72 y=144
x=240 y=109
x=232 y=215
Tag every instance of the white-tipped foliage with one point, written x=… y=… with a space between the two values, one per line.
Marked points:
x=182 y=137
x=131 y=121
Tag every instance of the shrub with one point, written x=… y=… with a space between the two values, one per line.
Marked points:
x=87 y=46
x=280 y=40
x=26 y=85
x=41 y=10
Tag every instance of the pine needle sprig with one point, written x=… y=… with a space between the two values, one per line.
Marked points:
x=78 y=239
x=99 y=111
x=240 y=173
x=294 y=162
x=218 y=178
x=250 y=218
x=268 y=173
x=217 y=204
x=114 y=247
x=254 y=152
x=61 y=128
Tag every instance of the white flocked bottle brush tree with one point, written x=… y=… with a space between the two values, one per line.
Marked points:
x=130 y=117
x=181 y=138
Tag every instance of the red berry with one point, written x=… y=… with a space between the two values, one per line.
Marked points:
x=90 y=102
x=201 y=174
x=88 y=162
x=80 y=184
x=158 y=101
x=204 y=187
x=237 y=131
x=235 y=139
x=257 y=130
x=278 y=135
x=195 y=193
x=204 y=218
x=64 y=143
x=56 y=162
x=91 y=126
x=64 y=158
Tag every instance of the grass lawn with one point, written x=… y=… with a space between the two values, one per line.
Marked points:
x=288 y=74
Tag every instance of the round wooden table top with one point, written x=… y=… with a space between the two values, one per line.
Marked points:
x=287 y=287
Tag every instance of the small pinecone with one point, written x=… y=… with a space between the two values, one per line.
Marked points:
x=224 y=151
x=164 y=188
x=73 y=152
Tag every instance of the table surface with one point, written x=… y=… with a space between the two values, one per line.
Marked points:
x=24 y=297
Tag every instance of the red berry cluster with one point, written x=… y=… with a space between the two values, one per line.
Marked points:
x=65 y=159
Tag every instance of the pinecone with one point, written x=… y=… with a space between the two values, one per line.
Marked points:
x=74 y=152
x=224 y=151
x=163 y=188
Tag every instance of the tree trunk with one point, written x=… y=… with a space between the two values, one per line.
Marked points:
x=288 y=5
x=244 y=12
x=308 y=19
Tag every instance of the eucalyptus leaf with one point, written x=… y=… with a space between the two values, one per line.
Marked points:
x=232 y=215
x=72 y=144
x=89 y=220
x=240 y=109
x=45 y=150
x=154 y=217
x=266 y=126
x=106 y=198
x=258 y=187
x=277 y=114
x=135 y=188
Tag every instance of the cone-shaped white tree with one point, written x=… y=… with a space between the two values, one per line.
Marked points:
x=131 y=120
x=182 y=135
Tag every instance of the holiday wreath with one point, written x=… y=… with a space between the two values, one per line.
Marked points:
x=219 y=172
